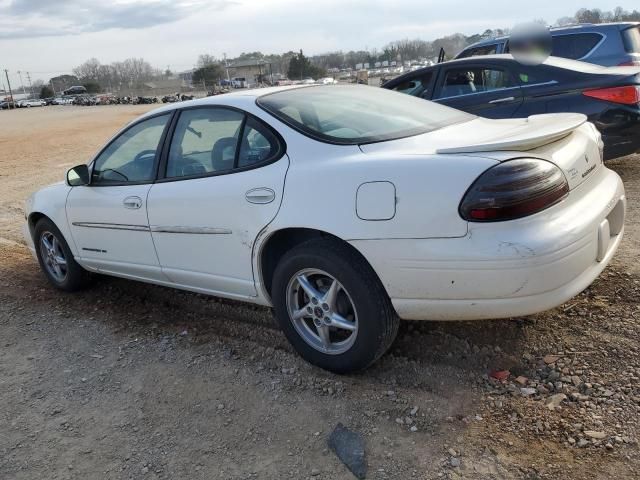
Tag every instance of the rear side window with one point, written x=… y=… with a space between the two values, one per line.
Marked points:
x=631 y=39
x=484 y=50
x=463 y=81
x=258 y=144
x=575 y=45
x=204 y=141
x=534 y=75
x=417 y=86
x=209 y=141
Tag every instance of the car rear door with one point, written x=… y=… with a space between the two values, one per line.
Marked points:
x=484 y=89
x=223 y=182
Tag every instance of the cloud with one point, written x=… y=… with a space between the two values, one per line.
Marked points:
x=41 y=18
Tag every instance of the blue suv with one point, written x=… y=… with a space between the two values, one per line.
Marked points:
x=608 y=44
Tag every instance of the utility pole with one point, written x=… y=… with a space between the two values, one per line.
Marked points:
x=225 y=65
x=53 y=88
x=6 y=73
x=30 y=86
x=21 y=83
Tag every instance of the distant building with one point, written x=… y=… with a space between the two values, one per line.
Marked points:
x=187 y=77
x=252 y=71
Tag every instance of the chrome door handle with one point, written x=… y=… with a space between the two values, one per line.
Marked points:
x=132 y=202
x=260 y=195
x=503 y=100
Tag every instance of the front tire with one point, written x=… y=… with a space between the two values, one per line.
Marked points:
x=332 y=307
x=56 y=259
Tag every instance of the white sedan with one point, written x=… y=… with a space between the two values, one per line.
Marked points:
x=32 y=102
x=344 y=207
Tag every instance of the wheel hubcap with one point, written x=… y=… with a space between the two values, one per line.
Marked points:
x=53 y=256
x=322 y=311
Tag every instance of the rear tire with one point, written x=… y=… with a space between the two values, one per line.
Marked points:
x=56 y=259
x=342 y=327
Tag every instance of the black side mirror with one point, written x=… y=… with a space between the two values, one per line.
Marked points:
x=78 y=175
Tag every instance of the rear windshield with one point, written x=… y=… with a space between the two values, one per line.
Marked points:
x=357 y=114
x=631 y=39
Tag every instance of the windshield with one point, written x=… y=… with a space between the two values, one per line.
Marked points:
x=356 y=114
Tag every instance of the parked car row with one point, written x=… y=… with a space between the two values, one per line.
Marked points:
x=177 y=97
x=90 y=100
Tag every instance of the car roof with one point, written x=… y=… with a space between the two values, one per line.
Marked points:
x=586 y=27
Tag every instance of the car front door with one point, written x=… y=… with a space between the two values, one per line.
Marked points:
x=108 y=217
x=483 y=90
x=223 y=183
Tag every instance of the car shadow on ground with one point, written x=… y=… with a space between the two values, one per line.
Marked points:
x=138 y=309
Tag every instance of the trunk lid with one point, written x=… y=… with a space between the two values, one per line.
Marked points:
x=562 y=138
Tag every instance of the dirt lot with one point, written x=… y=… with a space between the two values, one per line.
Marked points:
x=127 y=380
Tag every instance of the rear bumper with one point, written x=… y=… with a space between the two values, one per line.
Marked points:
x=508 y=269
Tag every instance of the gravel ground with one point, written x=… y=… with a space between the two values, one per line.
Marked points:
x=127 y=380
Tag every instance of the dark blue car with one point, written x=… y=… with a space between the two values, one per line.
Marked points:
x=608 y=44
x=497 y=86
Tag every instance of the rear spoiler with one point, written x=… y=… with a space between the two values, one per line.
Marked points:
x=535 y=131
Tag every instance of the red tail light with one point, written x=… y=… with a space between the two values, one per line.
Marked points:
x=514 y=189
x=628 y=95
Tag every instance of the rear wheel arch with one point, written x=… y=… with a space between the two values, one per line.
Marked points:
x=276 y=245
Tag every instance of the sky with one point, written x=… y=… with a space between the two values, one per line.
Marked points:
x=49 y=37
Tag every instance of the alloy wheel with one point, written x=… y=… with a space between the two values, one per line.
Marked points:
x=322 y=311
x=53 y=256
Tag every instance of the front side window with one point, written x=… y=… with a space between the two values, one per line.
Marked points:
x=131 y=157
x=357 y=114
x=205 y=141
x=575 y=45
x=464 y=81
x=416 y=86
